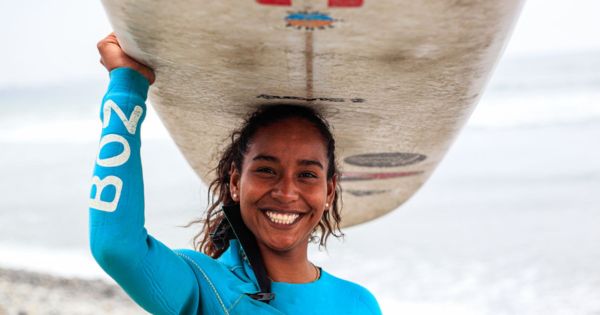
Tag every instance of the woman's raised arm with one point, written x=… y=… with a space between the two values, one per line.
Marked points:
x=151 y=273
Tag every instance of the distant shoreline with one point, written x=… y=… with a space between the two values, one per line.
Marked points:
x=25 y=292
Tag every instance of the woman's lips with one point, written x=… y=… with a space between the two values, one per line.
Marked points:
x=282 y=218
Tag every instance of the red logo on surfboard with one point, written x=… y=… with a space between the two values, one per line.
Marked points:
x=331 y=3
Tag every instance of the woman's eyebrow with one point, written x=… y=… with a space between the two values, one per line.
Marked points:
x=270 y=158
x=263 y=157
x=310 y=162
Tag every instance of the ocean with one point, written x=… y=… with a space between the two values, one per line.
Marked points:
x=509 y=223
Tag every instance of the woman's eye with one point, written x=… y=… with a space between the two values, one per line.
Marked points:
x=265 y=170
x=308 y=175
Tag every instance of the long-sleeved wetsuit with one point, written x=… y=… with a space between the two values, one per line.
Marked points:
x=165 y=281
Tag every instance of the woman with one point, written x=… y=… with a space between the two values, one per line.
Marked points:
x=276 y=186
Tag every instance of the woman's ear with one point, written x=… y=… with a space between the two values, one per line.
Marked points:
x=234 y=183
x=331 y=185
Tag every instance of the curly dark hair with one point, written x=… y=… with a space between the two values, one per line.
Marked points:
x=233 y=154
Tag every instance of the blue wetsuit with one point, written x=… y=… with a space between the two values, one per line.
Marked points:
x=165 y=281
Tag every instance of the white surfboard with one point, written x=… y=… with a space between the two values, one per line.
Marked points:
x=397 y=79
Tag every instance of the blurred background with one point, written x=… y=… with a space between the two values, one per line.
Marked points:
x=508 y=224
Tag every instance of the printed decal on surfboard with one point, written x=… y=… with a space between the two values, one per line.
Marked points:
x=385 y=159
x=312 y=99
x=357 y=176
x=362 y=193
x=312 y=20
x=330 y=3
x=309 y=20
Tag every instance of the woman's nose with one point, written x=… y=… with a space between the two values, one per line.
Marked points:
x=285 y=190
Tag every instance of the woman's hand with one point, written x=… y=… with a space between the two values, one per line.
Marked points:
x=112 y=56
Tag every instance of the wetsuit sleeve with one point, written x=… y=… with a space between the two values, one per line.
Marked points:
x=151 y=273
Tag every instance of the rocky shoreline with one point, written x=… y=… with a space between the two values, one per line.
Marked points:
x=28 y=293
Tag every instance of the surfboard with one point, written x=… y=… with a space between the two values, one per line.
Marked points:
x=397 y=79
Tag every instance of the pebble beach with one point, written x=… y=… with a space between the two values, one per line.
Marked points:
x=24 y=292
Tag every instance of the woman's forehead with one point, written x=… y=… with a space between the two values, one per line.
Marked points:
x=295 y=130
x=288 y=139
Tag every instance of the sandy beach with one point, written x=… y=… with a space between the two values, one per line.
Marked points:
x=29 y=293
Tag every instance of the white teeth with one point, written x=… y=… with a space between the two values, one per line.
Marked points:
x=281 y=218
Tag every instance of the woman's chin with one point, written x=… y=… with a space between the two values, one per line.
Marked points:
x=284 y=244
x=279 y=237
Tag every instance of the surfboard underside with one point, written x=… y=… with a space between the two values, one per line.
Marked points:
x=397 y=79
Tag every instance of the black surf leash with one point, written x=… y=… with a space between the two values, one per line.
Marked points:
x=233 y=227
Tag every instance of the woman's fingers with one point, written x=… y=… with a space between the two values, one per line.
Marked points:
x=112 y=56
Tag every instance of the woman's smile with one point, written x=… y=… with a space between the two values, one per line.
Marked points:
x=282 y=219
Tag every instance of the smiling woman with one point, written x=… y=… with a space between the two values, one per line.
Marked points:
x=276 y=187
x=280 y=168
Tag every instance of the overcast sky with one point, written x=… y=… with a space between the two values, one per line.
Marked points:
x=55 y=41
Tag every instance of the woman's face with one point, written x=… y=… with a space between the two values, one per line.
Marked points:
x=282 y=187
